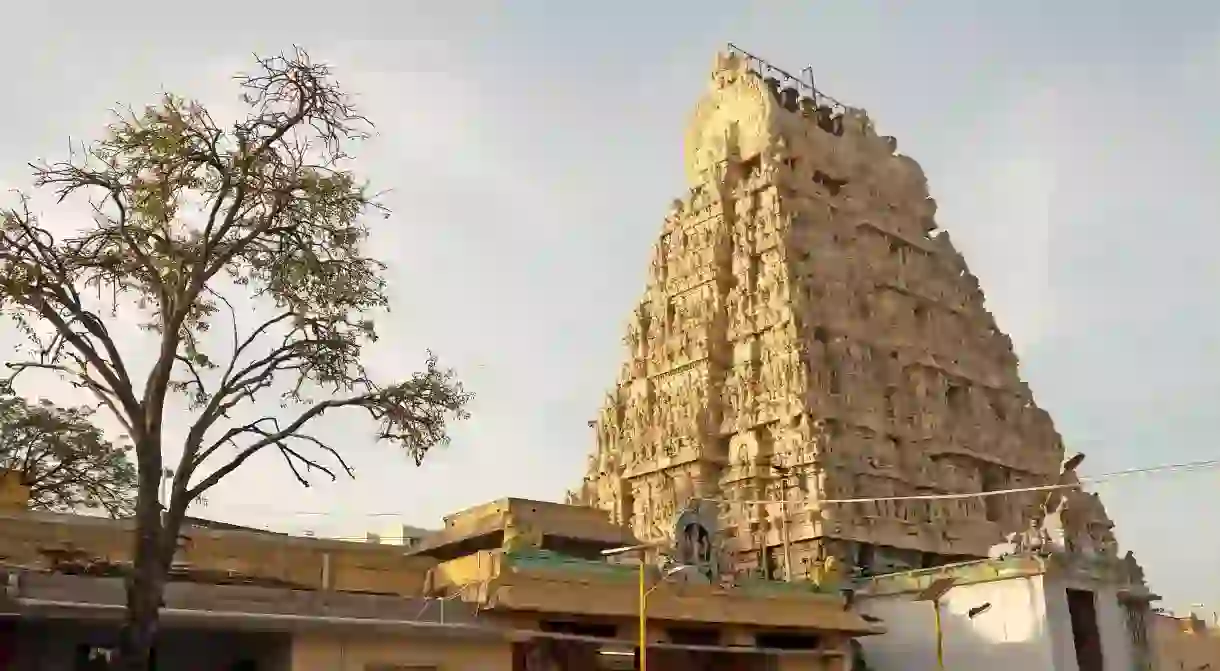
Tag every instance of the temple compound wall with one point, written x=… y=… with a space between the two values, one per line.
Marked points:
x=808 y=334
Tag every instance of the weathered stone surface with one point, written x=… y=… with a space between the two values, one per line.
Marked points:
x=802 y=310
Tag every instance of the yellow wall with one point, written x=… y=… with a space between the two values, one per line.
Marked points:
x=523 y=517
x=329 y=652
x=364 y=567
x=464 y=572
x=553 y=592
x=1178 y=647
x=14 y=495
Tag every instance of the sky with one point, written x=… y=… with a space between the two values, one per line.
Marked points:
x=532 y=150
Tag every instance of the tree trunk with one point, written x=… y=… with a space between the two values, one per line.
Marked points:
x=155 y=546
x=145 y=588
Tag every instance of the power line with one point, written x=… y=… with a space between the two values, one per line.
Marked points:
x=1099 y=479
x=1094 y=480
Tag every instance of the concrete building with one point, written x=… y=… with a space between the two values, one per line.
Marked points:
x=399 y=534
x=513 y=585
x=539 y=565
x=1185 y=643
x=1053 y=612
x=807 y=333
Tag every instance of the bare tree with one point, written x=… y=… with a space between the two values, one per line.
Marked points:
x=187 y=216
x=64 y=458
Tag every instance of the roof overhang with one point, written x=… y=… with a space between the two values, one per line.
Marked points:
x=182 y=618
x=37 y=595
x=691 y=604
x=911 y=583
x=32 y=601
x=1137 y=596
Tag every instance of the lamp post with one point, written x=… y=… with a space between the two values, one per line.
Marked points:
x=644 y=592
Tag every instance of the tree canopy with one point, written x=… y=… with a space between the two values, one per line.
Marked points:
x=240 y=248
x=64 y=458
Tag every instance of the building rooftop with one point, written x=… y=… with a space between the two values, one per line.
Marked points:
x=575 y=530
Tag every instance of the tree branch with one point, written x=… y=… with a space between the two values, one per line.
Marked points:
x=274 y=438
x=79 y=379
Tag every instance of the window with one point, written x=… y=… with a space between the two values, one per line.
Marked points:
x=787 y=641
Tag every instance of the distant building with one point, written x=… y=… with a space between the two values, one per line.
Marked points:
x=399 y=534
x=1185 y=643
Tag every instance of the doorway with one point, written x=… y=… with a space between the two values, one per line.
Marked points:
x=1082 y=610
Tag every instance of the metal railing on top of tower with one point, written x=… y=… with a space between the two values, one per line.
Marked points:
x=764 y=68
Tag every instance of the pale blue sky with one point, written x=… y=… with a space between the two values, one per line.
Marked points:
x=533 y=152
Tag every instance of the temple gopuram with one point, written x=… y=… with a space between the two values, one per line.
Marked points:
x=808 y=335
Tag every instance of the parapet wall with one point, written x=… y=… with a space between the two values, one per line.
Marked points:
x=38 y=539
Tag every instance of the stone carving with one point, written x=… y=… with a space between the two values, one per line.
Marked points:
x=694 y=538
x=1010 y=546
x=1135 y=572
x=803 y=282
x=828 y=571
x=1054 y=529
x=1033 y=539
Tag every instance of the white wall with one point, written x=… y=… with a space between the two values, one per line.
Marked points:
x=1027 y=628
x=1011 y=635
x=1116 y=645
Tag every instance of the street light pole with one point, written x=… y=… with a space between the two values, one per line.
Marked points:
x=933 y=593
x=643 y=607
x=940 y=637
x=644 y=592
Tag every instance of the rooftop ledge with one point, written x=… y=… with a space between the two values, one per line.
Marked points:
x=1101 y=569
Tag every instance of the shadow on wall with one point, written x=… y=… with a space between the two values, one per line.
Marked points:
x=994 y=626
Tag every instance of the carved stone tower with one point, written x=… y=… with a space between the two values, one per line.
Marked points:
x=807 y=334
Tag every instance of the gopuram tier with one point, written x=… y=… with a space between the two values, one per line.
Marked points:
x=808 y=335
